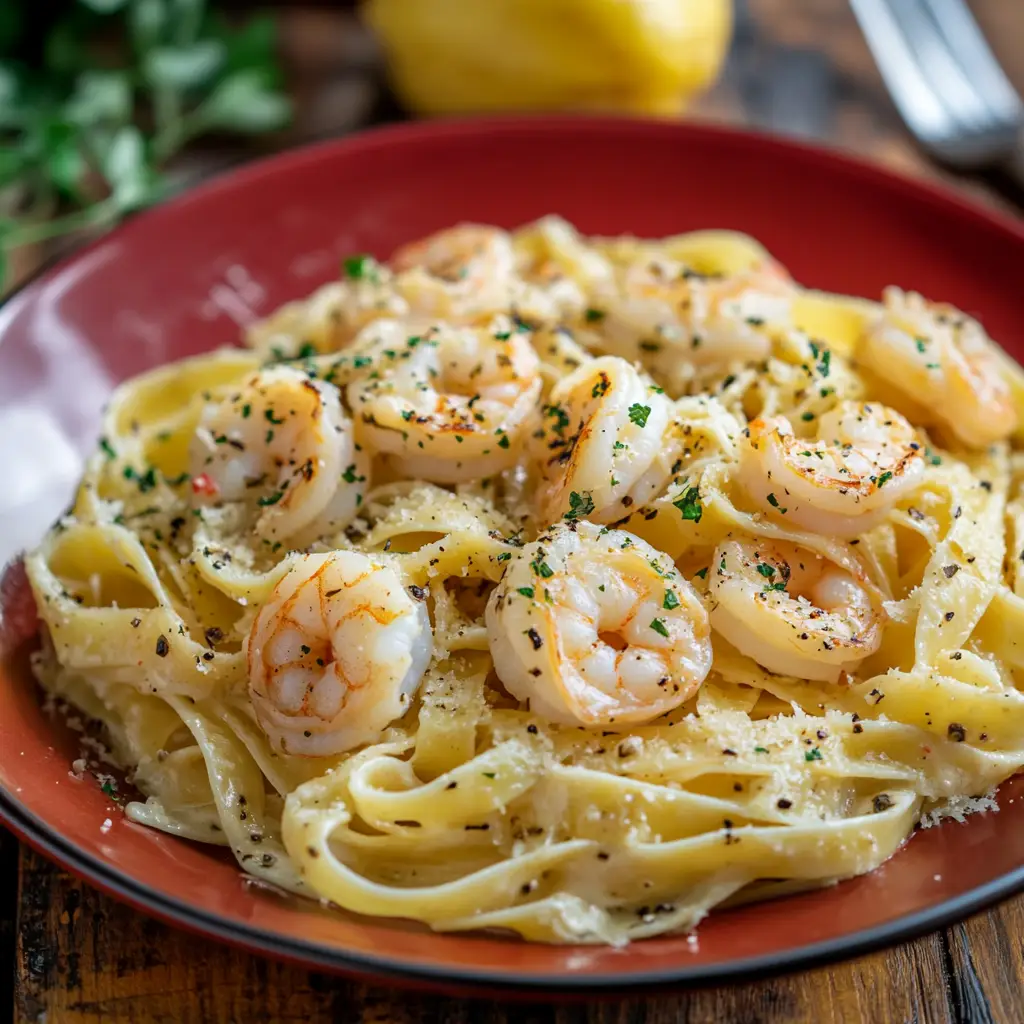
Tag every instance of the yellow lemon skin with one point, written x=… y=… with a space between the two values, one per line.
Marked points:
x=618 y=56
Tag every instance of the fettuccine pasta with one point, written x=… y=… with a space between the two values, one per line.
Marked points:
x=558 y=585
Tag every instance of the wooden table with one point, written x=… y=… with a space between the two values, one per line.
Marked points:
x=71 y=955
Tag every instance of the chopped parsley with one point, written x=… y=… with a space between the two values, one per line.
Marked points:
x=884 y=478
x=541 y=568
x=107 y=448
x=594 y=315
x=560 y=416
x=659 y=627
x=766 y=570
x=812 y=755
x=357 y=267
x=702 y=573
x=689 y=504
x=671 y=601
x=526 y=591
x=349 y=476
x=271 y=499
x=580 y=505
x=503 y=441
x=638 y=414
x=145 y=481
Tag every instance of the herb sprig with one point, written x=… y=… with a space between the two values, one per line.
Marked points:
x=98 y=97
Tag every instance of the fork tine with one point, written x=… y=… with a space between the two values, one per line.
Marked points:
x=968 y=44
x=939 y=65
x=911 y=91
x=933 y=84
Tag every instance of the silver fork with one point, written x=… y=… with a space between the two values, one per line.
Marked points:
x=945 y=81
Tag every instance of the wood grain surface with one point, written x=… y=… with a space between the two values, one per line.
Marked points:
x=70 y=954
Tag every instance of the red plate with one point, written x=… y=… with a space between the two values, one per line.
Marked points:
x=177 y=280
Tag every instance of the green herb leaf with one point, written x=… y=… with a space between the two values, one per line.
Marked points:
x=357 y=267
x=766 y=570
x=812 y=755
x=100 y=97
x=670 y=601
x=659 y=627
x=243 y=103
x=104 y=6
x=185 y=67
x=126 y=167
x=146 y=19
x=638 y=414
x=689 y=504
x=526 y=591
x=580 y=505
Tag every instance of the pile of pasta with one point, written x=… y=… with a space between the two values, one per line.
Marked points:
x=559 y=585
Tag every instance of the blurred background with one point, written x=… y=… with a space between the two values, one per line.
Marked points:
x=107 y=106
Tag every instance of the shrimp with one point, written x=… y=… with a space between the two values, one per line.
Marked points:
x=336 y=653
x=449 y=405
x=945 y=363
x=559 y=269
x=332 y=316
x=595 y=627
x=283 y=443
x=866 y=458
x=663 y=314
x=457 y=274
x=607 y=442
x=792 y=611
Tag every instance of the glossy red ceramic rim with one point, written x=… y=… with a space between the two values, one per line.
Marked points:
x=457 y=979
x=122 y=886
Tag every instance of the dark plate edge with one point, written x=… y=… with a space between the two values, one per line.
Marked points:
x=457 y=980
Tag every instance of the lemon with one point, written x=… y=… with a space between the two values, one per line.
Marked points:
x=628 y=56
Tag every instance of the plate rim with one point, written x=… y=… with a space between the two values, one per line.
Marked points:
x=112 y=881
